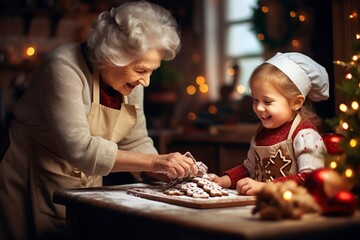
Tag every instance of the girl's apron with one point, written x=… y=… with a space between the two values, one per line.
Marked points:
x=277 y=160
x=47 y=171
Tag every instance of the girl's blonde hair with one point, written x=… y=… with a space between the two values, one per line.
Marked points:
x=287 y=88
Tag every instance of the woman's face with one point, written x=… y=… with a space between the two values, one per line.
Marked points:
x=271 y=107
x=125 y=79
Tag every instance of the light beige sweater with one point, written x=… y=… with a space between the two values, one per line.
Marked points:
x=58 y=100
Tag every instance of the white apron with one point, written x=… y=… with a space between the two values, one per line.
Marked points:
x=32 y=170
x=277 y=160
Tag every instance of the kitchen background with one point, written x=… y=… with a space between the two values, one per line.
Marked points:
x=200 y=100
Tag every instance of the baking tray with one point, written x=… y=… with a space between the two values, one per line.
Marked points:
x=155 y=193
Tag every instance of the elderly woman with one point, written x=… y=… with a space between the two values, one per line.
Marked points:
x=82 y=118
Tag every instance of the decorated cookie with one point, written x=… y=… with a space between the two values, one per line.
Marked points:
x=188 y=185
x=197 y=188
x=200 y=193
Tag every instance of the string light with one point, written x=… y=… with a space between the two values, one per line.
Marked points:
x=287 y=195
x=348 y=173
x=261 y=36
x=343 y=107
x=345 y=125
x=355 y=105
x=302 y=18
x=333 y=165
x=353 y=15
x=204 y=88
x=295 y=43
x=230 y=71
x=292 y=14
x=191 y=90
x=348 y=76
x=341 y=63
x=30 y=51
x=200 y=80
x=264 y=9
x=353 y=143
x=240 y=89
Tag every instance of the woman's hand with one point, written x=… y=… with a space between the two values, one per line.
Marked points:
x=174 y=165
x=249 y=186
x=223 y=181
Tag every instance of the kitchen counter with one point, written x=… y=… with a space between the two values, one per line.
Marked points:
x=110 y=213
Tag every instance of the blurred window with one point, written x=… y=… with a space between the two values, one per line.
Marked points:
x=241 y=45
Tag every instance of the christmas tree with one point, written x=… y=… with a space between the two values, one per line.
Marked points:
x=347 y=122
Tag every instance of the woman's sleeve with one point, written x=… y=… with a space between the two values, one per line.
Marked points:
x=64 y=93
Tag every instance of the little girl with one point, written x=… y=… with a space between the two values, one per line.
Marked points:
x=287 y=144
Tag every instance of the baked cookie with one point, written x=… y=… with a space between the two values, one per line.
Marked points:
x=197 y=187
x=174 y=192
x=188 y=185
x=200 y=193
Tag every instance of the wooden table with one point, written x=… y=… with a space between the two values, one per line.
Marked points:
x=111 y=213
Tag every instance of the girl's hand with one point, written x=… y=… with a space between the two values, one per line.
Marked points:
x=249 y=186
x=223 y=181
x=173 y=165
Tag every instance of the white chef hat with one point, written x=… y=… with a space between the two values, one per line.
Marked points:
x=310 y=78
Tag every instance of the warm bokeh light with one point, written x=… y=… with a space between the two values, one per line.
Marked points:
x=348 y=76
x=230 y=71
x=295 y=43
x=355 y=58
x=191 y=89
x=212 y=109
x=264 y=9
x=287 y=195
x=191 y=116
x=240 y=89
x=261 y=36
x=345 y=125
x=355 y=105
x=302 y=18
x=292 y=14
x=200 y=80
x=343 y=107
x=30 y=51
x=353 y=143
x=357 y=36
x=341 y=63
x=353 y=15
x=348 y=173
x=333 y=165
x=204 y=88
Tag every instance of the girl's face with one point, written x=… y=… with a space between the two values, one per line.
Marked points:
x=271 y=107
x=125 y=79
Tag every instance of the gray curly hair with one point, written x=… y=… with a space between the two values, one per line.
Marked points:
x=124 y=34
